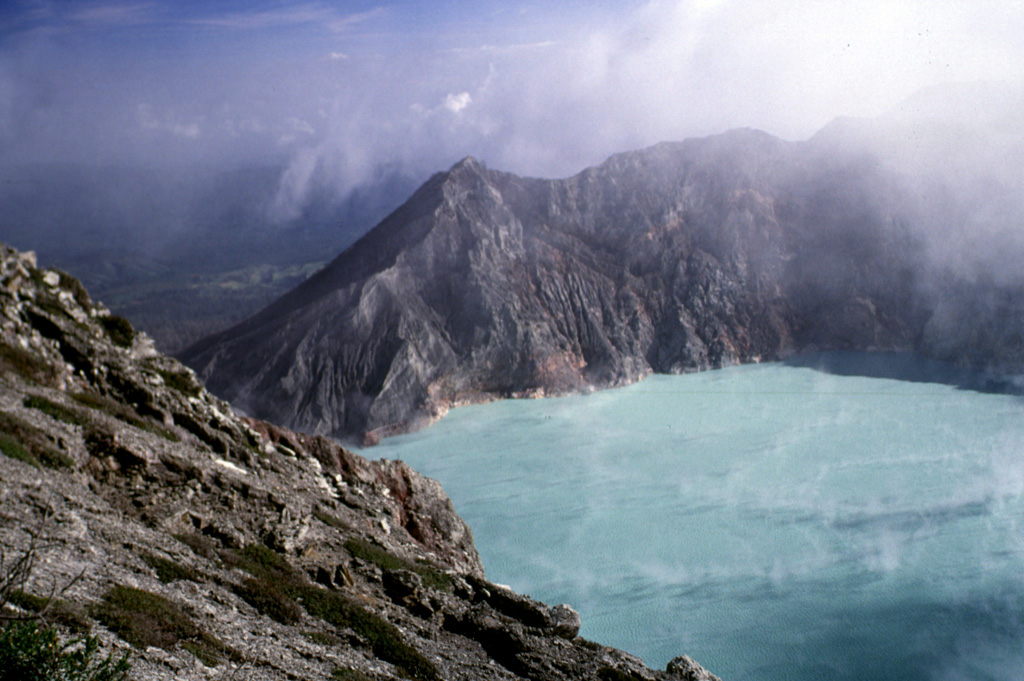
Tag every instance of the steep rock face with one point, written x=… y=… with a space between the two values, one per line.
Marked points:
x=212 y=546
x=676 y=258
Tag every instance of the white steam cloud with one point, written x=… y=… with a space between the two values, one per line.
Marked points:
x=340 y=98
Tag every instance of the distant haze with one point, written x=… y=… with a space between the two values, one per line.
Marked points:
x=338 y=95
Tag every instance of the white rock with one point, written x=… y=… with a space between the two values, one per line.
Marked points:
x=230 y=466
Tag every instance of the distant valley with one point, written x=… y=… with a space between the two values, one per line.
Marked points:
x=182 y=253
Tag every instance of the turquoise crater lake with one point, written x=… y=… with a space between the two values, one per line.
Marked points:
x=803 y=520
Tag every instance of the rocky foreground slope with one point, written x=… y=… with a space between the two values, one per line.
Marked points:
x=211 y=546
x=681 y=257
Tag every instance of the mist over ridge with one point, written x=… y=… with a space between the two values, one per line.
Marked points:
x=683 y=256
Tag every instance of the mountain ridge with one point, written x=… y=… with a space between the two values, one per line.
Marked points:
x=684 y=256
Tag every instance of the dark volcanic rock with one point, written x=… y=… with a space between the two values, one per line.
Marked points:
x=681 y=257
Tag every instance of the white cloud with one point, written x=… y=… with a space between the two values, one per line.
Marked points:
x=545 y=92
x=456 y=103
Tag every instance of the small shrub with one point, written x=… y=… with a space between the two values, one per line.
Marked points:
x=30 y=652
x=12 y=447
x=146 y=619
x=433 y=577
x=269 y=600
x=264 y=563
x=55 y=611
x=168 y=571
x=21 y=362
x=201 y=545
x=23 y=441
x=119 y=330
x=322 y=637
x=181 y=381
x=72 y=284
x=202 y=653
x=55 y=411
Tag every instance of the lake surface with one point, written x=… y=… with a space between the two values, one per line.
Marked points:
x=799 y=521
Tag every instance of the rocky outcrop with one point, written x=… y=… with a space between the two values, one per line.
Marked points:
x=213 y=546
x=681 y=257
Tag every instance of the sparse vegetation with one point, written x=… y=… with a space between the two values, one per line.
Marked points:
x=53 y=610
x=146 y=619
x=168 y=571
x=119 y=330
x=275 y=575
x=23 y=441
x=76 y=288
x=383 y=637
x=21 y=362
x=269 y=600
x=55 y=411
x=201 y=546
x=433 y=577
x=322 y=637
x=122 y=413
x=32 y=652
x=181 y=381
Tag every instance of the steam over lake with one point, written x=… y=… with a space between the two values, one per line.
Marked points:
x=772 y=521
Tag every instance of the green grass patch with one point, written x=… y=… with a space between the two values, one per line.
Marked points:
x=56 y=411
x=23 y=441
x=269 y=600
x=146 y=619
x=168 y=571
x=433 y=577
x=119 y=330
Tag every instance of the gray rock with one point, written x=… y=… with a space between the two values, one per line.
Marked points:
x=565 y=621
x=686 y=669
x=483 y=285
x=156 y=485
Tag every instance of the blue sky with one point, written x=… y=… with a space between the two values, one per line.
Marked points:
x=334 y=91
